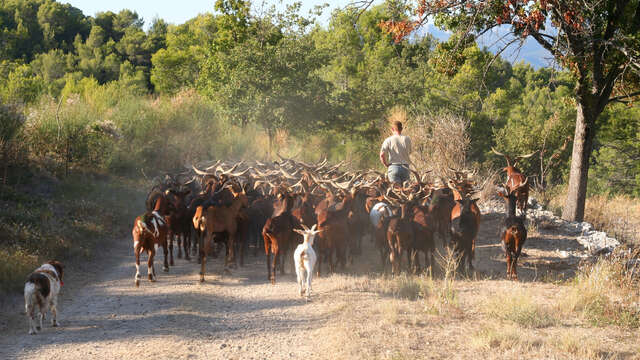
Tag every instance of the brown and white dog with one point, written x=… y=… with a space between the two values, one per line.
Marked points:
x=41 y=289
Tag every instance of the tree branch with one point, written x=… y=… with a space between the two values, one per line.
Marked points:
x=622 y=97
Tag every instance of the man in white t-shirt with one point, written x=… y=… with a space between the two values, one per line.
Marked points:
x=394 y=154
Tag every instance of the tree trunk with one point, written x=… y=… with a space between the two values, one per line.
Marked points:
x=582 y=148
x=270 y=136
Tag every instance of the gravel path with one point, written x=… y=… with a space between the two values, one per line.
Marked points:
x=104 y=316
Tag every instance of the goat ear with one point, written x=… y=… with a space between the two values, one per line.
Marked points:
x=313 y=228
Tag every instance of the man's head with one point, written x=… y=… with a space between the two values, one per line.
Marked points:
x=396 y=127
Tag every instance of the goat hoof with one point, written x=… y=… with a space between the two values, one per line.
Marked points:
x=54 y=324
x=137 y=283
x=38 y=328
x=165 y=269
x=170 y=263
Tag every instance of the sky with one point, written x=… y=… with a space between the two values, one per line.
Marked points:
x=177 y=12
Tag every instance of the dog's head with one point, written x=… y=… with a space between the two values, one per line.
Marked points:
x=59 y=269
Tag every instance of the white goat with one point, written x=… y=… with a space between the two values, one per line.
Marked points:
x=305 y=259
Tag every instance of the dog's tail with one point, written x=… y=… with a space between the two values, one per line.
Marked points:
x=37 y=286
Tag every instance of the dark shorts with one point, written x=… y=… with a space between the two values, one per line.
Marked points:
x=398 y=173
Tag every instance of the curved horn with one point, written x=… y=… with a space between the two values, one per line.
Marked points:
x=501 y=154
x=213 y=166
x=200 y=172
x=526 y=156
x=242 y=173
x=228 y=172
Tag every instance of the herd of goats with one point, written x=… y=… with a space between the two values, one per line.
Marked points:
x=236 y=205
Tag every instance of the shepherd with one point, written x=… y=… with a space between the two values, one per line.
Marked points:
x=394 y=154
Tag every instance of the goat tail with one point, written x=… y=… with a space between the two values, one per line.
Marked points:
x=473 y=249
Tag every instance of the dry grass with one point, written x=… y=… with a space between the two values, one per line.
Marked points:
x=507 y=338
x=579 y=346
x=618 y=216
x=520 y=307
x=605 y=293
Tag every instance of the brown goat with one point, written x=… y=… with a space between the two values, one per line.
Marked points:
x=400 y=236
x=221 y=219
x=513 y=233
x=179 y=225
x=516 y=181
x=334 y=227
x=150 y=230
x=278 y=234
x=461 y=191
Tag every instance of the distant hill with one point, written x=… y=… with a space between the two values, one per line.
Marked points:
x=531 y=52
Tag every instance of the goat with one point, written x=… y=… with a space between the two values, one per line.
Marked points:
x=513 y=233
x=516 y=180
x=333 y=222
x=278 y=234
x=440 y=209
x=179 y=226
x=305 y=258
x=221 y=219
x=379 y=216
x=400 y=235
x=461 y=191
x=464 y=229
x=149 y=231
x=424 y=228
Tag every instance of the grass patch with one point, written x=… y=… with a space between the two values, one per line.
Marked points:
x=580 y=346
x=520 y=308
x=65 y=219
x=510 y=338
x=605 y=293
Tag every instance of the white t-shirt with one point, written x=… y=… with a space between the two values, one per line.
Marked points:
x=398 y=148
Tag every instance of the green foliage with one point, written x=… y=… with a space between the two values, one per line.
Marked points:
x=21 y=85
x=282 y=73
x=616 y=166
x=11 y=120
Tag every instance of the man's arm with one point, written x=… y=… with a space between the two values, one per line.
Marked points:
x=383 y=158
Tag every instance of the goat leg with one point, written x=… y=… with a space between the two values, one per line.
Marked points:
x=150 y=271
x=136 y=251
x=170 y=237
x=204 y=250
x=186 y=245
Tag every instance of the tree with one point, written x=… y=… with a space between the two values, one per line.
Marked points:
x=264 y=73
x=178 y=65
x=60 y=23
x=598 y=41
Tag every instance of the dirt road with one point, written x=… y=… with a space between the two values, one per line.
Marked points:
x=104 y=316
